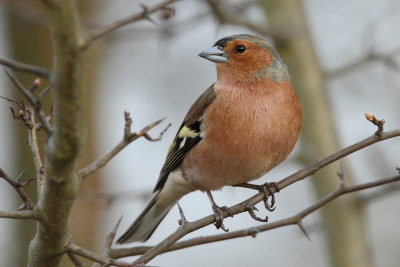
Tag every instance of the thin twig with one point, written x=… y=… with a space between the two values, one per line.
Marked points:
x=22 y=214
x=102 y=31
x=32 y=101
x=75 y=260
x=128 y=138
x=28 y=204
x=95 y=257
x=387 y=58
x=19 y=66
x=109 y=240
x=375 y=121
x=33 y=144
x=292 y=220
x=220 y=12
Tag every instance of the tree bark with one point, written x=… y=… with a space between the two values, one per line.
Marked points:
x=64 y=146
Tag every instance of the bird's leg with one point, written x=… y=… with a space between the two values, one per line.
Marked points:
x=266 y=189
x=219 y=218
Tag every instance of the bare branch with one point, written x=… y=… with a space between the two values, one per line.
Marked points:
x=32 y=101
x=28 y=204
x=74 y=249
x=95 y=34
x=253 y=231
x=109 y=240
x=375 y=121
x=128 y=138
x=387 y=58
x=19 y=66
x=76 y=260
x=22 y=214
x=219 y=10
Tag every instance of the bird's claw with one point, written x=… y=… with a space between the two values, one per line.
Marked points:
x=219 y=217
x=266 y=189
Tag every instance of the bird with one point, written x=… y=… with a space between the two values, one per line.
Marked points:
x=241 y=127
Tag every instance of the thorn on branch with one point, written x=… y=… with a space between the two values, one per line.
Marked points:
x=111 y=236
x=182 y=221
x=18 y=182
x=149 y=138
x=145 y=14
x=375 y=121
x=300 y=225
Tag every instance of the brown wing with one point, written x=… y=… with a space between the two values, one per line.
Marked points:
x=189 y=134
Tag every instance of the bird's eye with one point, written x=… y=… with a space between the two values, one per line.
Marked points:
x=240 y=48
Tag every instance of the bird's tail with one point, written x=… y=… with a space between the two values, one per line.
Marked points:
x=145 y=224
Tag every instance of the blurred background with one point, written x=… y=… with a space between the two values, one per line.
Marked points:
x=344 y=60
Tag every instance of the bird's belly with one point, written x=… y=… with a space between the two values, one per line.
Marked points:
x=243 y=141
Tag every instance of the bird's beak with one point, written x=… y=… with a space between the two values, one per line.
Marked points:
x=214 y=54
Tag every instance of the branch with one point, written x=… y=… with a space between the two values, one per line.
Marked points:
x=74 y=249
x=253 y=231
x=109 y=240
x=388 y=58
x=19 y=66
x=32 y=101
x=243 y=206
x=102 y=31
x=23 y=214
x=76 y=260
x=64 y=145
x=128 y=138
x=17 y=185
x=219 y=10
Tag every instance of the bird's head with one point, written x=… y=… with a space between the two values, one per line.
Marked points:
x=246 y=58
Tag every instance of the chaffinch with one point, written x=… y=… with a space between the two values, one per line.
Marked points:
x=237 y=130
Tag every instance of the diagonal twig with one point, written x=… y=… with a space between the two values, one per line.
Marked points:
x=109 y=240
x=36 y=104
x=102 y=31
x=128 y=138
x=28 y=204
x=19 y=66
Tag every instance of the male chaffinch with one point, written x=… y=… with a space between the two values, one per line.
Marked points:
x=237 y=130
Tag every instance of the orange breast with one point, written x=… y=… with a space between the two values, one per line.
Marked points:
x=248 y=130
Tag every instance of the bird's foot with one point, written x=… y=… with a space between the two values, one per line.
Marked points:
x=218 y=213
x=268 y=189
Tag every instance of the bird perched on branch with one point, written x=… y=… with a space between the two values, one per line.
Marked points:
x=237 y=130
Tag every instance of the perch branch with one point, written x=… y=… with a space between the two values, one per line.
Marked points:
x=253 y=231
x=242 y=207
